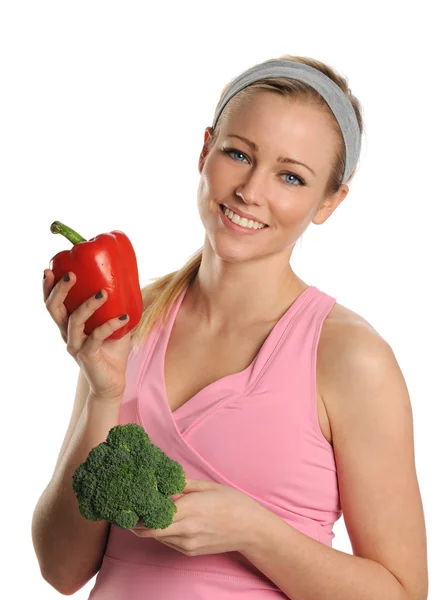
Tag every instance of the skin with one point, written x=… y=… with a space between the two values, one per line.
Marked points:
x=246 y=279
x=367 y=397
x=243 y=279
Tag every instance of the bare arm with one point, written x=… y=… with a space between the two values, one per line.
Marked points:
x=81 y=394
x=371 y=417
x=70 y=548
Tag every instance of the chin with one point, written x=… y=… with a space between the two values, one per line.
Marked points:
x=231 y=250
x=223 y=243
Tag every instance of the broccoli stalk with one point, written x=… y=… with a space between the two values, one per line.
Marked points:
x=128 y=478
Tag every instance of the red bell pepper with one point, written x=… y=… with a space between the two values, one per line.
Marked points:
x=107 y=262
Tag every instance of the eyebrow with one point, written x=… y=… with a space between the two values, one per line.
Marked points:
x=282 y=159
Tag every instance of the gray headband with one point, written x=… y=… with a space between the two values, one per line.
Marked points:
x=333 y=95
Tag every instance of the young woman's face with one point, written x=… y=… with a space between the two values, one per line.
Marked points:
x=286 y=197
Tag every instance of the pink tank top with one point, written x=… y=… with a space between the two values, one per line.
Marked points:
x=256 y=430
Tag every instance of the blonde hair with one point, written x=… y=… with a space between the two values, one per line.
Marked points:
x=159 y=296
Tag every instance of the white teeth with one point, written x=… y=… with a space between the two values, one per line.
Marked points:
x=242 y=221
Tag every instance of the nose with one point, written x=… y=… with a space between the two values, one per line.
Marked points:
x=251 y=192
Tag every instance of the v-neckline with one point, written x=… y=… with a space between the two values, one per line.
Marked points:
x=296 y=304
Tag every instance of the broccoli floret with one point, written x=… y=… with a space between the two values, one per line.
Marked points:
x=128 y=478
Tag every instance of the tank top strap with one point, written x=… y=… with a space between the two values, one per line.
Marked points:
x=311 y=306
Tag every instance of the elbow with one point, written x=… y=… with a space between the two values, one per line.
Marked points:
x=57 y=580
x=67 y=582
x=64 y=585
x=61 y=586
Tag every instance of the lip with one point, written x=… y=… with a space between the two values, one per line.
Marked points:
x=237 y=229
x=240 y=213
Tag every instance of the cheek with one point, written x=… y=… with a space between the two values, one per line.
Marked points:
x=203 y=195
x=210 y=189
x=203 y=186
x=216 y=179
x=289 y=213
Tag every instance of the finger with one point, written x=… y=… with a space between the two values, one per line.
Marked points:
x=145 y=532
x=48 y=283
x=101 y=333
x=76 y=323
x=198 y=485
x=175 y=548
x=55 y=297
x=178 y=545
x=151 y=532
x=52 y=290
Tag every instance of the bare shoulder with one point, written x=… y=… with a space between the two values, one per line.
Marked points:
x=345 y=336
x=341 y=315
x=371 y=419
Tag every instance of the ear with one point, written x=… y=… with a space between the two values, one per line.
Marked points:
x=205 y=150
x=329 y=205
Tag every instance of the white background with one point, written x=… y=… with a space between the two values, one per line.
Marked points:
x=103 y=107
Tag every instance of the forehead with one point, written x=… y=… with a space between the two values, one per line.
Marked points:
x=282 y=125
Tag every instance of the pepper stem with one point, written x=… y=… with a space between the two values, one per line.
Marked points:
x=70 y=234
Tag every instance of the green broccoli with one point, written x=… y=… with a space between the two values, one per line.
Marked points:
x=128 y=478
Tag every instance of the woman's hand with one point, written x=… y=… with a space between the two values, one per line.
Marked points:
x=103 y=362
x=211 y=518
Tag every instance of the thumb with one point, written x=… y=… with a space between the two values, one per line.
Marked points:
x=198 y=485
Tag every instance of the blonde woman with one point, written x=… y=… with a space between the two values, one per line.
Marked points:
x=285 y=408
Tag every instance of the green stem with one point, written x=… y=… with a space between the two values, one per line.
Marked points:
x=70 y=234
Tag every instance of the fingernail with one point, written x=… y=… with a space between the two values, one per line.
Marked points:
x=66 y=277
x=99 y=295
x=44 y=275
x=123 y=317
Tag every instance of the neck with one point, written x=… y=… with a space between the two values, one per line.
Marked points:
x=228 y=296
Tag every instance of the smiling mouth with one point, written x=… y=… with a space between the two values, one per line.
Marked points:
x=223 y=207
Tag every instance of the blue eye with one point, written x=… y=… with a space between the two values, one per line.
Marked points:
x=230 y=151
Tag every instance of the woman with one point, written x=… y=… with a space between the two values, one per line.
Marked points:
x=284 y=408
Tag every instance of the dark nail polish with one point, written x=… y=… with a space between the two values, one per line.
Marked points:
x=66 y=277
x=99 y=295
x=44 y=275
x=123 y=317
